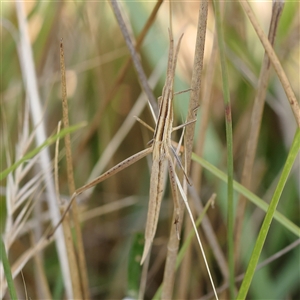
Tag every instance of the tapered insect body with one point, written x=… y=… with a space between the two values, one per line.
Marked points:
x=161 y=151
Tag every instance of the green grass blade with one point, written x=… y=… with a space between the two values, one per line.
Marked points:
x=248 y=194
x=35 y=151
x=269 y=217
x=7 y=271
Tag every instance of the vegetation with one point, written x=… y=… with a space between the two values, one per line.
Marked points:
x=256 y=233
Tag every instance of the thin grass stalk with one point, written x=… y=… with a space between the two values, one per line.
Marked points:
x=7 y=271
x=187 y=243
x=255 y=124
x=172 y=250
x=35 y=235
x=269 y=217
x=197 y=169
x=197 y=174
x=186 y=267
x=173 y=244
x=229 y=142
x=119 y=78
x=56 y=177
x=275 y=61
x=197 y=236
x=67 y=231
x=214 y=245
x=205 y=112
x=43 y=290
x=196 y=82
x=135 y=59
x=66 y=224
x=30 y=80
x=188 y=240
x=83 y=275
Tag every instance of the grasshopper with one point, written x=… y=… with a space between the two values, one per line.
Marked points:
x=162 y=154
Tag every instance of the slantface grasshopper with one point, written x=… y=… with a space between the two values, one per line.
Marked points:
x=162 y=154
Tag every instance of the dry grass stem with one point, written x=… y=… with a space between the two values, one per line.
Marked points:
x=119 y=78
x=255 y=125
x=67 y=231
x=173 y=245
x=183 y=194
x=43 y=291
x=196 y=175
x=275 y=62
x=76 y=286
x=82 y=284
x=135 y=59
